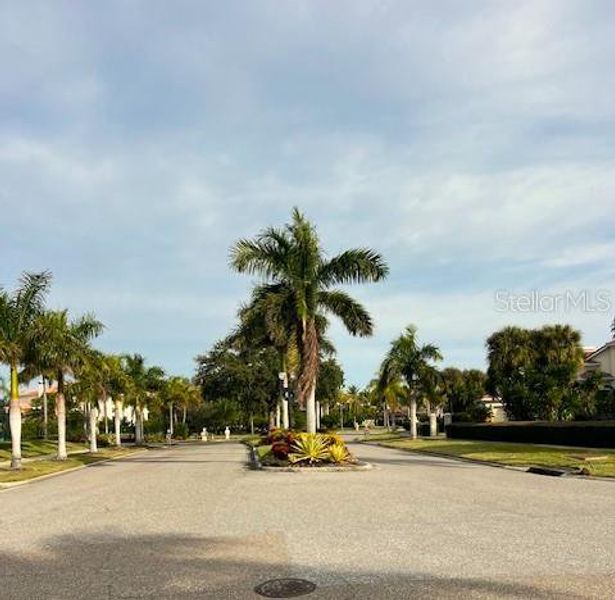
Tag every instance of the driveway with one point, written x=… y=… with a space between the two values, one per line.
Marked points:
x=192 y=522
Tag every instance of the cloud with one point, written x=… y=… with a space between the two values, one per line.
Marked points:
x=472 y=145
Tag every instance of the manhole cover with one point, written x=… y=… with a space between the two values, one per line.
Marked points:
x=285 y=588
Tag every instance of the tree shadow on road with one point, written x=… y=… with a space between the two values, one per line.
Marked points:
x=181 y=567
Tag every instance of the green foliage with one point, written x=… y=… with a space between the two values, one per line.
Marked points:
x=309 y=448
x=533 y=370
x=181 y=432
x=329 y=422
x=338 y=453
x=300 y=279
x=463 y=388
x=330 y=380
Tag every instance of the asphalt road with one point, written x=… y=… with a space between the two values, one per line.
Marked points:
x=193 y=522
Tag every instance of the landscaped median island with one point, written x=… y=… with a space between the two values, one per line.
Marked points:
x=596 y=462
x=32 y=469
x=293 y=451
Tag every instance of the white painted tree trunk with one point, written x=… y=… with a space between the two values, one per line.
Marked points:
x=61 y=412
x=117 y=417
x=277 y=415
x=138 y=432
x=317 y=414
x=15 y=421
x=413 y=432
x=106 y=415
x=433 y=424
x=45 y=410
x=93 y=428
x=171 y=428
x=285 y=420
x=310 y=410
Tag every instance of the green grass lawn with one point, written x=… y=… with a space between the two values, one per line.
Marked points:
x=36 y=468
x=33 y=448
x=519 y=455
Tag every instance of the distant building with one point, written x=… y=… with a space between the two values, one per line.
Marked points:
x=496 y=406
x=601 y=359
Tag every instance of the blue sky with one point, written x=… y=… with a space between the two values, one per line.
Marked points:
x=472 y=143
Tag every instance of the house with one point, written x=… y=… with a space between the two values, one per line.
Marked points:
x=601 y=359
x=495 y=405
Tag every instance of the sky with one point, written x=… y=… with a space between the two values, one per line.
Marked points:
x=471 y=143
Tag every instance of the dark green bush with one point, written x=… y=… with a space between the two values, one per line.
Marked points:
x=180 y=431
x=329 y=422
x=593 y=434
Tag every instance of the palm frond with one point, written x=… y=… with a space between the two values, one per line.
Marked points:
x=358 y=265
x=355 y=317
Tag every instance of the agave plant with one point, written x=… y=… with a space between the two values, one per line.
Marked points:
x=311 y=448
x=338 y=453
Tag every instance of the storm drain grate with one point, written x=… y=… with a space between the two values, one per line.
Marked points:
x=285 y=588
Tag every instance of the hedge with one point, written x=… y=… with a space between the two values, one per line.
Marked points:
x=593 y=434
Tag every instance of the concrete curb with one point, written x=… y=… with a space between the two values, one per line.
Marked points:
x=13 y=484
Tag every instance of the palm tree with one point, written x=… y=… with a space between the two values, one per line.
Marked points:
x=144 y=383
x=90 y=389
x=407 y=359
x=117 y=386
x=18 y=313
x=390 y=390
x=269 y=320
x=293 y=264
x=65 y=346
x=432 y=387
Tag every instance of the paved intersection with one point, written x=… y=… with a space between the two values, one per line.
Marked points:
x=192 y=522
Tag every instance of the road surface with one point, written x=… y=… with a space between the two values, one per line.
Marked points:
x=193 y=523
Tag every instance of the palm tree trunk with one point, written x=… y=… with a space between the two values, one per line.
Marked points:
x=251 y=424
x=413 y=432
x=137 y=425
x=317 y=414
x=433 y=424
x=277 y=415
x=61 y=412
x=285 y=419
x=45 y=410
x=310 y=408
x=171 y=428
x=15 y=420
x=117 y=405
x=184 y=415
x=93 y=422
x=341 y=416
x=106 y=414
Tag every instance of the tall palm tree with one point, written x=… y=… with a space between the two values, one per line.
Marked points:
x=390 y=391
x=117 y=385
x=431 y=386
x=144 y=383
x=269 y=320
x=18 y=313
x=90 y=389
x=408 y=359
x=65 y=346
x=291 y=261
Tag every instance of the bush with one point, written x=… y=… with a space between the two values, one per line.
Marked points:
x=329 y=422
x=105 y=440
x=180 y=431
x=310 y=448
x=31 y=429
x=593 y=434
